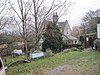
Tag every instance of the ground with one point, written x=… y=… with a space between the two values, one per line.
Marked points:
x=64 y=63
x=75 y=70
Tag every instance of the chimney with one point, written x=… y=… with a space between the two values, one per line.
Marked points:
x=55 y=18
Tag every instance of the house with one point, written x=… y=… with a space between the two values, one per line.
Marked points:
x=65 y=30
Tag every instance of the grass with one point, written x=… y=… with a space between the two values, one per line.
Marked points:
x=83 y=60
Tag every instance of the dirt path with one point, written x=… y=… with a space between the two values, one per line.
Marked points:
x=62 y=70
x=74 y=70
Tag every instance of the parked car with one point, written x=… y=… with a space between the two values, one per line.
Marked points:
x=2 y=68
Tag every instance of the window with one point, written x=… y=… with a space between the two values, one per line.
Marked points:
x=0 y=65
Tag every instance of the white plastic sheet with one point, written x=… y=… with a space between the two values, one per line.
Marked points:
x=36 y=55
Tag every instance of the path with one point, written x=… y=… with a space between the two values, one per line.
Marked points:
x=74 y=70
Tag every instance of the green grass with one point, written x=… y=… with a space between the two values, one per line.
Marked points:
x=83 y=61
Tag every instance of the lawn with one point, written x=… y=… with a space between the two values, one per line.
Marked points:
x=87 y=63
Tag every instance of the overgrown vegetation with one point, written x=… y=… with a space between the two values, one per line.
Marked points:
x=8 y=43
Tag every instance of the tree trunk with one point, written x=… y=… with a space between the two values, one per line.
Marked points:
x=25 y=36
x=36 y=28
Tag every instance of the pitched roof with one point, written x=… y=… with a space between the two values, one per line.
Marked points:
x=61 y=24
x=69 y=37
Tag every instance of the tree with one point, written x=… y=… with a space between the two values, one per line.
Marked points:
x=76 y=31
x=3 y=13
x=37 y=11
x=41 y=12
x=89 y=24
x=52 y=38
x=90 y=21
x=24 y=7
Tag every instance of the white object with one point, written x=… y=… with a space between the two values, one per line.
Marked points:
x=87 y=39
x=36 y=55
x=98 y=30
x=40 y=43
x=2 y=69
x=19 y=52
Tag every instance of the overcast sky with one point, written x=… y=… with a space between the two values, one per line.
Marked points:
x=79 y=9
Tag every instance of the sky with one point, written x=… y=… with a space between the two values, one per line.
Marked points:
x=78 y=10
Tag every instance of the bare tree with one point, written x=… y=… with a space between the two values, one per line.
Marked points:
x=22 y=9
x=34 y=13
x=3 y=12
x=41 y=10
x=90 y=21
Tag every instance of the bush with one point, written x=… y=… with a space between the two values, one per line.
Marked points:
x=97 y=44
x=74 y=49
x=30 y=45
x=70 y=50
x=37 y=51
x=48 y=53
x=66 y=50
